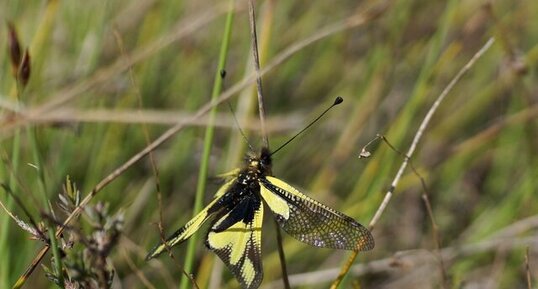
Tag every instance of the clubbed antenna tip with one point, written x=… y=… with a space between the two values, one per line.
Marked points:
x=338 y=100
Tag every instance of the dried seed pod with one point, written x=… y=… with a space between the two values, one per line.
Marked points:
x=14 y=48
x=24 y=72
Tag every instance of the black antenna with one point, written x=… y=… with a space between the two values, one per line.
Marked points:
x=338 y=100
x=222 y=73
x=239 y=127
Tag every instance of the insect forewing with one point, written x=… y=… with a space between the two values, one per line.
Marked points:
x=193 y=225
x=310 y=221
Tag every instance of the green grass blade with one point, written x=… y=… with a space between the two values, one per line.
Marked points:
x=208 y=141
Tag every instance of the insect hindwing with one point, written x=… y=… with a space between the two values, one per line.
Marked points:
x=193 y=225
x=236 y=238
x=311 y=222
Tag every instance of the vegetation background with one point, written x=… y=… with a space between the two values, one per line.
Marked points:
x=106 y=73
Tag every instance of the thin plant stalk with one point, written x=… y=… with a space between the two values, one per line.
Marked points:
x=265 y=137
x=245 y=101
x=4 y=228
x=153 y=163
x=38 y=41
x=528 y=268
x=46 y=203
x=56 y=254
x=208 y=141
x=411 y=150
x=15 y=53
x=256 y=58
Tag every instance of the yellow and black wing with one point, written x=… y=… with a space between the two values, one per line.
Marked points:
x=236 y=238
x=193 y=225
x=310 y=221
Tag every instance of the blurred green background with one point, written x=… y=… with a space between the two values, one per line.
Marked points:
x=479 y=155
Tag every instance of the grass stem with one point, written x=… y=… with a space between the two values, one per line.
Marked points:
x=410 y=152
x=208 y=140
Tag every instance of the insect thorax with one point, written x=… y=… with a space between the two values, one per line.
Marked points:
x=257 y=165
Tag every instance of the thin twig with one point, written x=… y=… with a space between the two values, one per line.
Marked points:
x=410 y=152
x=137 y=271
x=141 y=252
x=528 y=268
x=256 y=58
x=140 y=107
x=281 y=255
x=497 y=266
x=422 y=128
x=265 y=137
x=435 y=229
x=436 y=238
x=145 y=130
x=16 y=180
x=70 y=116
x=32 y=229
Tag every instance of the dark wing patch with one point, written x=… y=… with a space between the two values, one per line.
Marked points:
x=310 y=221
x=236 y=238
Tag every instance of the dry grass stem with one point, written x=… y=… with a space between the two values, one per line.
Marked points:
x=256 y=58
x=410 y=152
x=138 y=272
x=422 y=129
x=265 y=137
x=528 y=268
